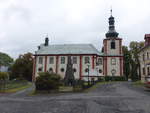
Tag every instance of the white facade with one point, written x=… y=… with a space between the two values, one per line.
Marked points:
x=109 y=63
x=80 y=67
x=144 y=58
x=106 y=63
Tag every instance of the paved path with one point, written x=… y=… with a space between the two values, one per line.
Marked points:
x=24 y=92
x=108 y=98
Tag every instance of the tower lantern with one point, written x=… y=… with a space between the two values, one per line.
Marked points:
x=111 y=32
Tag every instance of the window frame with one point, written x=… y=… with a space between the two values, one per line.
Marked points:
x=143 y=57
x=113 y=61
x=50 y=60
x=113 y=44
x=40 y=60
x=74 y=60
x=147 y=56
x=100 y=61
x=148 y=70
x=86 y=60
x=143 y=69
x=62 y=59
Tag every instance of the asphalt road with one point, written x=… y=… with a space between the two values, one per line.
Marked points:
x=108 y=98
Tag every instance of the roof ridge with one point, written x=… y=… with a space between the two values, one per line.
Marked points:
x=73 y=44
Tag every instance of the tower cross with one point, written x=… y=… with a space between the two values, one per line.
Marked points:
x=111 y=11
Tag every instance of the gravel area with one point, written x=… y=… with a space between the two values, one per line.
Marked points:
x=108 y=98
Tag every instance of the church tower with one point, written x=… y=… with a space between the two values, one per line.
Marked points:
x=113 y=60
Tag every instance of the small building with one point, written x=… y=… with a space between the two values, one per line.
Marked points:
x=144 y=57
x=4 y=68
x=85 y=57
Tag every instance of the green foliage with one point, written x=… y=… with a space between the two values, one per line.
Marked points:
x=47 y=81
x=135 y=47
x=127 y=61
x=79 y=85
x=3 y=79
x=3 y=76
x=5 y=60
x=101 y=79
x=131 y=60
x=22 y=68
x=115 y=78
x=79 y=82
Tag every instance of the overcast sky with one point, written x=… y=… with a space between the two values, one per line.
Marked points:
x=25 y=23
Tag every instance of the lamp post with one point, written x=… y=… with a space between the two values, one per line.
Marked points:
x=97 y=70
x=113 y=71
x=88 y=73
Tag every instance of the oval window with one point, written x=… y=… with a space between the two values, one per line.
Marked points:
x=62 y=70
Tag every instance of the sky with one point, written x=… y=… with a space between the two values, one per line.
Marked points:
x=24 y=24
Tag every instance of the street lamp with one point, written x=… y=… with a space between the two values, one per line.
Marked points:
x=113 y=71
x=97 y=70
x=88 y=73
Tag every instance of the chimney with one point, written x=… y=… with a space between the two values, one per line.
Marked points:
x=147 y=39
x=46 y=41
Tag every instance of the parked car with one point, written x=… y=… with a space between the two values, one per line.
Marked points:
x=147 y=82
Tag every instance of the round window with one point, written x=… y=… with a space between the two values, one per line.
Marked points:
x=86 y=70
x=40 y=69
x=74 y=70
x=50 y=70
x=62 y=70
x=100 y=71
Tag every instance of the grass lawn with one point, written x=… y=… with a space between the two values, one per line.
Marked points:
x=69 y=89
x=100 y=83
x=62 y=89
x=14 y=86
x=65 y=89
x=138 y=83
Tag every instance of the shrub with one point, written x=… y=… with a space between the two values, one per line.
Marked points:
x=3 y=76
x=79 y=82
x=78 y=85
x=3 y=80
x=108 y=78
x=101 y=79
x=47 y=81
x=115 y=78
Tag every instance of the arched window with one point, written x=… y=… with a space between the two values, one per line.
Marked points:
x=113 y=44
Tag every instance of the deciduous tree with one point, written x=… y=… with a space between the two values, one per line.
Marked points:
x=22 y=67
x=135 y=63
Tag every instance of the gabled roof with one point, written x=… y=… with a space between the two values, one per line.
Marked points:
x=147 y=35
x=68 y=49
x=144 y=48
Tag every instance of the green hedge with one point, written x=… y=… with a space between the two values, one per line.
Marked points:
x=115 y=78
x=3 y=80
x=47 y=81
x=3 y=75
x=111 y=78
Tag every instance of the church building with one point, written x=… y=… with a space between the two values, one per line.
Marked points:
x=88 y=62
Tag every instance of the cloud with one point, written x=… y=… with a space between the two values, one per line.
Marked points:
x=25 y=23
